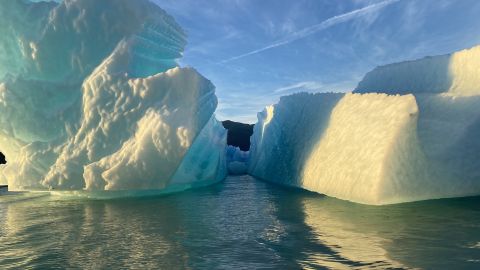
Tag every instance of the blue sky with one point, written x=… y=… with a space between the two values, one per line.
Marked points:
x=254 y=51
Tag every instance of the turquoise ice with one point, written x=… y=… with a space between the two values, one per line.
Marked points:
x=92 y=97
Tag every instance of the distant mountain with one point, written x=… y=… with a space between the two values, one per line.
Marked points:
x=238 y=134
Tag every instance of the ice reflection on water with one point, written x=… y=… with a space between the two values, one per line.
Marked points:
x=241 y=223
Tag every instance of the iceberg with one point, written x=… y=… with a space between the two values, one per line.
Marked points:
x=408 y=132
x=237 y=151
x=236 y=160
x=92 y=98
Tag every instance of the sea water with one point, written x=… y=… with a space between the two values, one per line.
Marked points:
x=241 y=223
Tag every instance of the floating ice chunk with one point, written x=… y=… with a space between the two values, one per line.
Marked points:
x=91 y=98
x=154 y=120
x=236 y=160
x=378 y=148
x=235 y=154
x=371 y=148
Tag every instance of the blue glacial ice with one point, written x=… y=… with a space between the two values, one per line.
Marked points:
x=236 y=160
x=91 y=97
x=408 y=132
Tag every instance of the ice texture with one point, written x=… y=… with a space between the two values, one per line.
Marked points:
x=456 y=74
x=236 y=160
x=91 y=97
x=415 y=140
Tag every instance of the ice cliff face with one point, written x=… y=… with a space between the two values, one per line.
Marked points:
x=416 y=139
x=91 y=98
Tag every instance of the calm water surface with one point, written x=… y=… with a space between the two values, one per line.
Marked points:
x=241 y=224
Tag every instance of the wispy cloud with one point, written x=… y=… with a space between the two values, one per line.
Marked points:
x=318 y=27
x=308 y=85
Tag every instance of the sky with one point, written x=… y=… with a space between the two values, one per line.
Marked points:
x=255 y=51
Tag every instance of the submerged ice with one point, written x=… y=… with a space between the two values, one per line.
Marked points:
x=91 y=97
x=408 y=132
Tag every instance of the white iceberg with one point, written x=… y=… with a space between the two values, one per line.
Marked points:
x=91 y=98
x=416 y=140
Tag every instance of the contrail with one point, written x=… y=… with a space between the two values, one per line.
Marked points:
x=317 y=27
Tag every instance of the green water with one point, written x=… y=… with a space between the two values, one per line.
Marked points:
x=238 y=224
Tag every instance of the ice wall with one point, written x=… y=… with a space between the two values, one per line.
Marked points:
x=380 y=148
x=91 y=98
x=285 y=133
